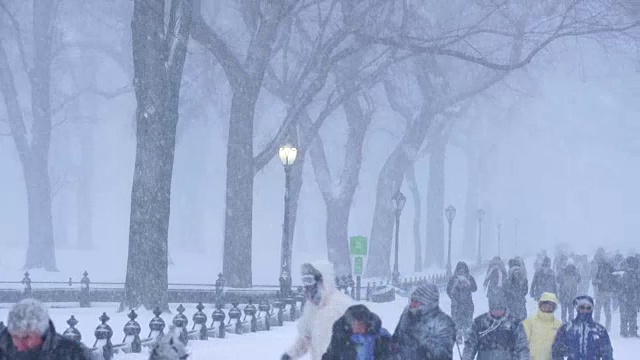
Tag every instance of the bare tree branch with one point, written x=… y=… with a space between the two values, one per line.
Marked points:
x=16 y=27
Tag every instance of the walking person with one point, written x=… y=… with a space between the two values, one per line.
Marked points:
x=496 y=335
x=425 y=332
x=516 y=288
x=542 y=327
x=324 y=306
x=30 y=335
x=603 y=287
x=630 y=298
x=460 y=288
x=359 y=335
x=495 y=278
x=568 y=282
x=544 y=280
x=582 y=338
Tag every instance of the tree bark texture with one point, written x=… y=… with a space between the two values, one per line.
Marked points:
x=470 y=245
x=417 y=215
x=158 y=57
x=434 y=249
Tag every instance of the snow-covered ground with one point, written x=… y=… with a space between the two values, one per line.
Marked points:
x=270 y=344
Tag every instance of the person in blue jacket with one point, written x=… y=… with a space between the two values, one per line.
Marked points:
x=582 y=338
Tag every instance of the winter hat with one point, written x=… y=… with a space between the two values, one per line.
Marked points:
x=427 y=294
x=514 y=263
x=582 y=300
x=498 y=300
x=28 y=316
x=168 y=347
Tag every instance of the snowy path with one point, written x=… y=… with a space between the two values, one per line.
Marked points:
x=271 y=344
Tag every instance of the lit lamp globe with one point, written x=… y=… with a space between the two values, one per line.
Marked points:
x=287 y=154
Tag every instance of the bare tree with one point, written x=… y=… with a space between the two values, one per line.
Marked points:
x=159 y=54
x=486 y=34
x=33 y=144
x=245 y=77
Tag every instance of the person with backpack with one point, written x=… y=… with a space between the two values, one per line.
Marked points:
x=359 y=335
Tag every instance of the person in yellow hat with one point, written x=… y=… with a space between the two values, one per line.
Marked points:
x=542 y=327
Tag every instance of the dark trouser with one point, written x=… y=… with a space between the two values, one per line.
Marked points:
x=566 y=309
x=603 y=300
x=628 y=319
x=462 y=315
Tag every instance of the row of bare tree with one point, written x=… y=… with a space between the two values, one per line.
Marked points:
x=427 y=59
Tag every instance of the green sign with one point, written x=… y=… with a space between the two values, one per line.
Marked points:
x=358 y=246
x=358 y=265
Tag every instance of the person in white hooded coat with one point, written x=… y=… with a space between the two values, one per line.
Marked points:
x=324 y=305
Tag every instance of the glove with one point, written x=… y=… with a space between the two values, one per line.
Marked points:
x=285 y=356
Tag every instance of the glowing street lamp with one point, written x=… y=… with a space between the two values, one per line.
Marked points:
x=287 y=154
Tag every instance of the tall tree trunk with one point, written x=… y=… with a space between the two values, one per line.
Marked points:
x=417 y=214
x=158 y=62
x=236 y=264
x=389 y=182
x=337 y=228
x=84 y=194
x=470 y=245
x=434 y=250
x=41 y=249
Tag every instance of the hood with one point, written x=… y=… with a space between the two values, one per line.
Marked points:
x=549 y=297
x=362 y=313
x=462 y=266
x=546 y=262
x=325 y=269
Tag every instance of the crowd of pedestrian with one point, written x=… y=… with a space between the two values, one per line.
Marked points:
x=505 y=332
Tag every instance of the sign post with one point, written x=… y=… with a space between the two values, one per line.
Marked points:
x=358 y=249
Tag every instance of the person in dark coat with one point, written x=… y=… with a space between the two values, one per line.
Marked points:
x=516 y=288
x=630 y=298
x=544 y=280
x=496 y=335
x=582 y=338
x=425 y=332
x=30 y=335
x=568 y=281
x=459 y=289
x=359 y=334
x=603 y=286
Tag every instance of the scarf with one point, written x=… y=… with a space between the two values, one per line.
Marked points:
x=365 y=344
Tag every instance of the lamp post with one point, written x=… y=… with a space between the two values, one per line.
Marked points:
x=450 y=211
x=499 y=238
x=481 y=214
x=515 y=240
x=287 y=154
x=398 y=200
